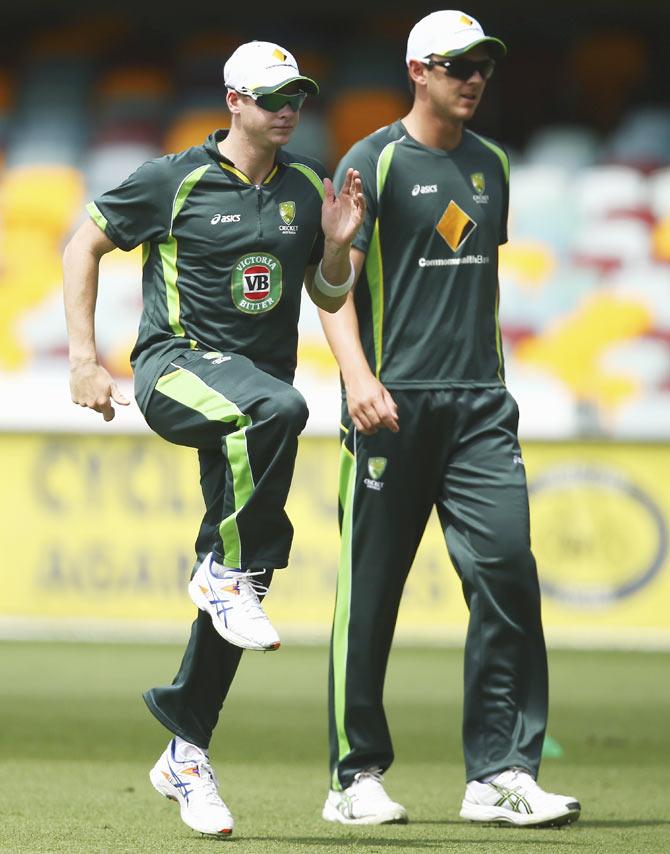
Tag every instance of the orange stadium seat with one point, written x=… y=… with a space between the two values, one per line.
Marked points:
x=660 y=239
x=91 y=35
x=135 y=83
x=604 y=69
x=193 y=127
x=354 y=113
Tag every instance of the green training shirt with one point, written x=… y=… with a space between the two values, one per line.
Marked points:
x=427 y=298
x=223 y=259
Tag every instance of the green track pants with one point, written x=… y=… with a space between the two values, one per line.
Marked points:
x=457 y=450
x=245 y=425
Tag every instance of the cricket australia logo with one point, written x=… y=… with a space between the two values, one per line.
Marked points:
x=479 y=183
x=287 y=213
x=256 y=284
x=376 y=468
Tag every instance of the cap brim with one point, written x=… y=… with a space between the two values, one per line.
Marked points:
x=497 y=48
x=308 y=85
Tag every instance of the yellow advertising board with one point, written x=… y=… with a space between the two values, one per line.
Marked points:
x=101 y=528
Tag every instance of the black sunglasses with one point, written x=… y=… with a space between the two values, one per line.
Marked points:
x=274 y=101
x=463 y=69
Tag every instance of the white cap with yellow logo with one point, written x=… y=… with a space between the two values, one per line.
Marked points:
x=262 y=68
x=449 y=33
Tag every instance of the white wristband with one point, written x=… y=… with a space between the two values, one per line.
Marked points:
x=333 y=290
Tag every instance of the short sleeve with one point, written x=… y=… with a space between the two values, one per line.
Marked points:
x=362 y=158
x=139 y=209
x=315 y=171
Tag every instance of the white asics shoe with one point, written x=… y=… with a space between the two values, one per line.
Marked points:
x=193 y=785
x=364 y=802
x=513 y=797
x=231 y=599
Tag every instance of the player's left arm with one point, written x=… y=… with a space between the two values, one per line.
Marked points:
x=329 y=282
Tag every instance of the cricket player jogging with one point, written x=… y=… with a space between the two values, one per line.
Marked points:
x=229 y=231
x=428 y=421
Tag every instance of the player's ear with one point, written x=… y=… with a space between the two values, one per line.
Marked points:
x=417 y=72
x=233 y=101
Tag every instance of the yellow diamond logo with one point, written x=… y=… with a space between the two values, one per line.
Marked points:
x=277 y=54
x=466 y=20
x=455 y=226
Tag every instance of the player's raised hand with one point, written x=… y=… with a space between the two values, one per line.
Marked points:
x=370 y=405
x=92 y=386
x=342 y=215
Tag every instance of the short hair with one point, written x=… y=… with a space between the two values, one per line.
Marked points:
x=411 y=84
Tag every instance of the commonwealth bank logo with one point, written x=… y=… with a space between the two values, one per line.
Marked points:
x=455 y=226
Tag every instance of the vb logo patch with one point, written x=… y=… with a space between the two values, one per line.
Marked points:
x=256 y=283
x=376 y=469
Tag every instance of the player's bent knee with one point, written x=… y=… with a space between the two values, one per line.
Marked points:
x=288 y=407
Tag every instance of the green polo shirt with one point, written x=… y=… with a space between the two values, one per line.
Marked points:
x=427 y=299
x=223 y=259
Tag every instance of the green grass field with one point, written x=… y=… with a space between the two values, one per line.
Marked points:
x=77 y=744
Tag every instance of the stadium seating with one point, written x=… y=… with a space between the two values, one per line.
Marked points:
x=357 y=112
x=585 y=277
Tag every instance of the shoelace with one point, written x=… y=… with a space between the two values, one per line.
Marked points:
x=521 y=782
x=371 y=780
x=249 y=589
x=208 y=783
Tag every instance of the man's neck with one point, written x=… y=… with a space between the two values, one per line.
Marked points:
x=256 y=163
x=432 y=130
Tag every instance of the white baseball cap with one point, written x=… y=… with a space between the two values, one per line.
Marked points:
x=263 y=67
x=449 y=33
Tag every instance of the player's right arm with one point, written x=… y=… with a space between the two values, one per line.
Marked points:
x=90 y=383
x=369 y=403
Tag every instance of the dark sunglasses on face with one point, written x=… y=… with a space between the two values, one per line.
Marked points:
x=276 y=100
x=463 y=69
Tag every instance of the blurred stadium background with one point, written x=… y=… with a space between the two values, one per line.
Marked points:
x=100 y=519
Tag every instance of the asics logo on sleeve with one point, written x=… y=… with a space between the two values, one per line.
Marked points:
x=217 y=218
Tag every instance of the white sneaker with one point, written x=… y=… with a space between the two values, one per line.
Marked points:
x=193 y=785
x=513 y=797
x=364 y=802
x=231 y=599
